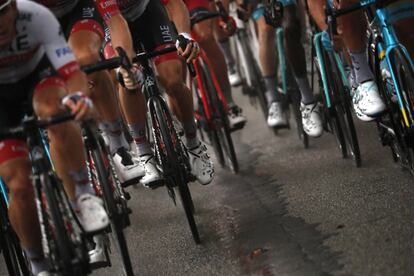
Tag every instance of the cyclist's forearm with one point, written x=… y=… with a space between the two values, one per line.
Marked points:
x=178 y=13
x=120 y=34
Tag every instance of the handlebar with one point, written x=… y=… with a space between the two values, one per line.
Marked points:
x=343 y=11
x=122 y=60
x=29 y=123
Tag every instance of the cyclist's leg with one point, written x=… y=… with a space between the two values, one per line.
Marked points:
x=204 y=33
x=353 y=32
x=66 y=145
x=224 y=43
x=295 y=55
x=86 y=36
x=22 y=209
x=171 y=75
x=15 y=170
x=267 y=54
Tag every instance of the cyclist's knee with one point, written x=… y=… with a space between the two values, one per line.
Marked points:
x=86 y=46
x=204 y=32
x=170 y=73
x=15 y=174
x=266 y=33
x=47 y=100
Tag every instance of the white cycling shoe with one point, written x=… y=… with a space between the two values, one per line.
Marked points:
x=45 y=273
x=201 y=165
x=91 y=213
x=311 y=119
x=152 y=175
x=368 y=99
x=234 y=78
x=128 y=168
x=358 y=112
x=277 y=116
x=236 y=118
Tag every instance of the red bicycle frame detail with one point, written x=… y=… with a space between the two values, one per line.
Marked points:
x=202 y=87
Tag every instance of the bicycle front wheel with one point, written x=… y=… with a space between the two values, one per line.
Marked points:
x=105 y=177
x=172 y=158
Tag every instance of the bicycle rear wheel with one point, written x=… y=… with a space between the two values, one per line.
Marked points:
x=221 y=122
x=206 y=129
x=252 y=71
x=171 y=156
x=344 y=113
x=330 y=113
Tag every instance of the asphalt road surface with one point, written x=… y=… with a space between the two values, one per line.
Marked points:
x=289 y=211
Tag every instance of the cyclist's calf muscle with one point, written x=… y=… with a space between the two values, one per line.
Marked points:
x=22 y=209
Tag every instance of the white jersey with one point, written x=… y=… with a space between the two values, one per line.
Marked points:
x=38 y=33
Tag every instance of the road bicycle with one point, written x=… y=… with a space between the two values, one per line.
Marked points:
x=211 y=110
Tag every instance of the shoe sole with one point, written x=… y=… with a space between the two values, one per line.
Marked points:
x=134 y=181
x=238 y=126
x=154 y=184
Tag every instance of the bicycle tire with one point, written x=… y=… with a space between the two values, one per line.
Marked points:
x=65 y=247
x=253 y=70
x=98 y=153
x=206 y=130
x=10 y=247
x=405 y=79
x=222 y=129
x=345 y=119
x=295 y=99
x=383 y=126
x=330 y=114
x=173 y=171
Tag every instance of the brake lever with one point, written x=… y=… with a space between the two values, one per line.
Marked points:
x=183 y=44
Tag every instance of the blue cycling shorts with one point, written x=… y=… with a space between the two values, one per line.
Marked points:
x=260 y=9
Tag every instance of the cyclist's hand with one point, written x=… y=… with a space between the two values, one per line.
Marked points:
x=131 y=79
x=228 y=26
x=80 y=105
x=273 y=14
x=192 y=49
x=244 y=12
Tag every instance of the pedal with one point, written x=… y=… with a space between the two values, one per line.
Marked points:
x=287 y=126
x=127 y=195
x=130 y=182
x=156 y=184
x=238 y=126
x=98 y=232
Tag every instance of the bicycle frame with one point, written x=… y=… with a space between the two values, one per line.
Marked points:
x=4 y=192
x=281 y=56
x=203 y=91
x=386 y=44
x=317 y=40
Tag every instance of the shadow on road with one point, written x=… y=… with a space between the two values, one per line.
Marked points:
x=254 y=225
